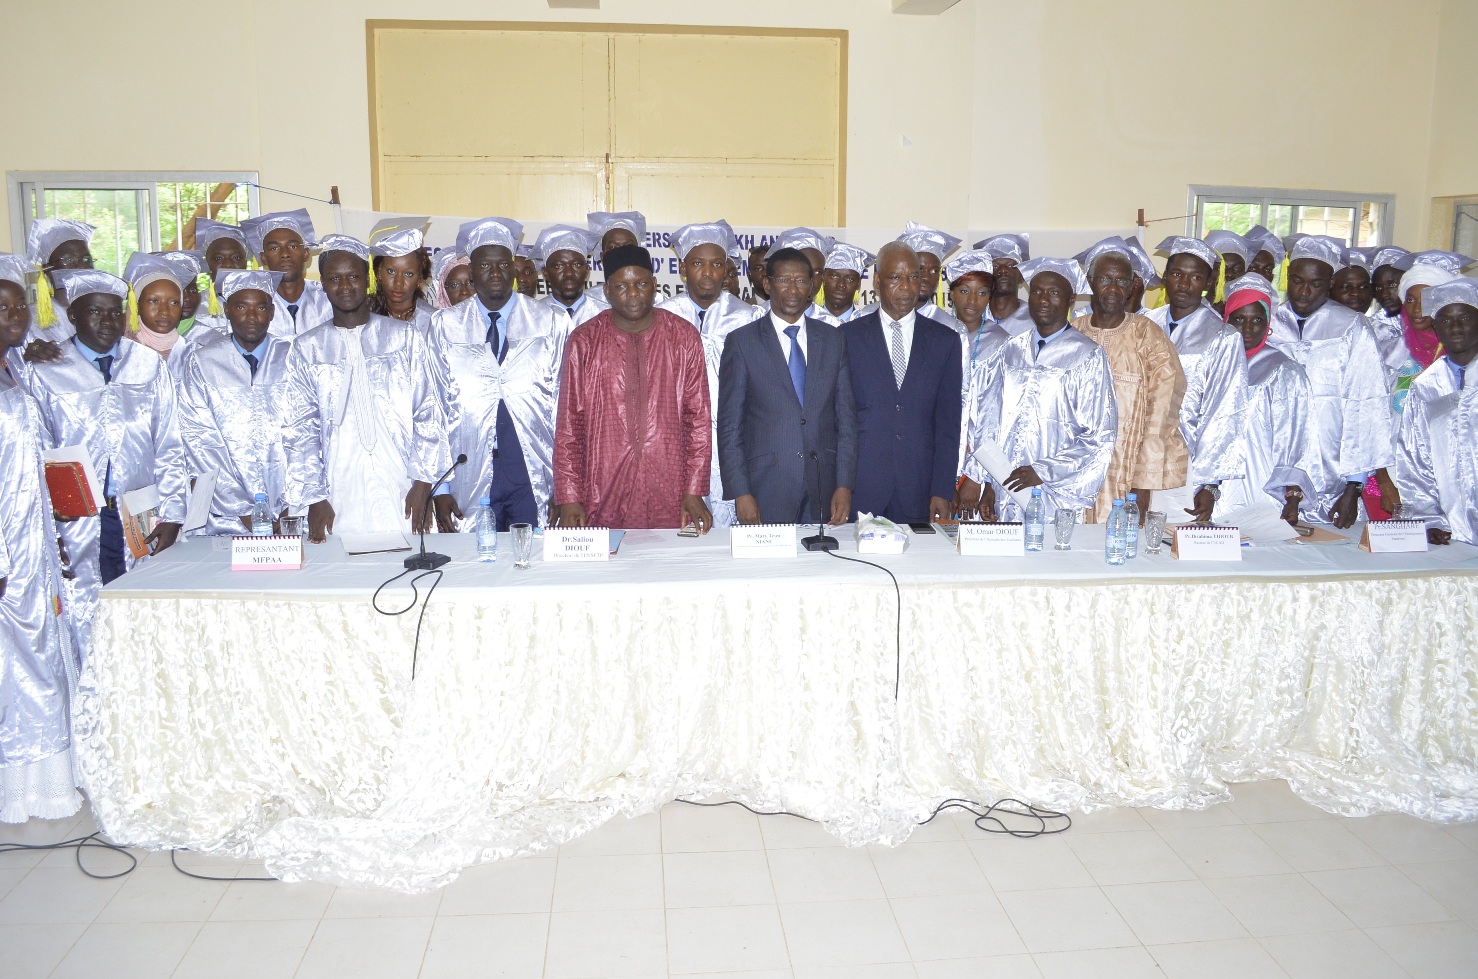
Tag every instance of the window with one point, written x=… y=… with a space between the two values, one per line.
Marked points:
x=1357 y=219
x=144 y=211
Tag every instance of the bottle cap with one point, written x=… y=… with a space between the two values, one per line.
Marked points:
x=485 y=501
x=261 y=497
x=1132 y=497
x=1036 y=491
x=1118 y=503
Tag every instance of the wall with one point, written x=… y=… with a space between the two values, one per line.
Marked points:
x=1043 y=113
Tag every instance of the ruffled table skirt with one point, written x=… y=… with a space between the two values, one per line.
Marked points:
x=290 y=729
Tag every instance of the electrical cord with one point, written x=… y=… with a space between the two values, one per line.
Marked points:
x=897 y=619
x=415 y=598
x=986 y=819
x=95 y=841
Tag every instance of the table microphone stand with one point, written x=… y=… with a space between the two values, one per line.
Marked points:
x=819 y=541
x=432 y=561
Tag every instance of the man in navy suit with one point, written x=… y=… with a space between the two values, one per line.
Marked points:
x=906 y=385
x=787 y=431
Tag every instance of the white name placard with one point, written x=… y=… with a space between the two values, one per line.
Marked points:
x=577 y=544
x=991 y=540
x=763 y=540
x=1394 y=537
x=274 y=553
x=1207 y=542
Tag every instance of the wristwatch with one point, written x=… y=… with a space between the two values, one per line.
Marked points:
x=1212 y=488
x=1293 y=493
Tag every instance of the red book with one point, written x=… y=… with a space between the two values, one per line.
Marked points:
x=71 y=498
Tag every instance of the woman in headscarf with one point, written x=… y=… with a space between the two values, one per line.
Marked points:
x=453 y=278
x=155 y=302
x=969 y=275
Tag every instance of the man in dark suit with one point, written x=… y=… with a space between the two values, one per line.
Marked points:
x=906 y=385
x=786 y=427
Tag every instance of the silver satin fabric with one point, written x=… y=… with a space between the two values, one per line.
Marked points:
x=471 y=384
x=318 y=372
x=38 y=667
x=726 y=315
x=565 y=323
x=1213 y=415
x=232 y=423
x=1057 y=415
x=1351 y=410
x=1017 y=323
x=1391 y=340
x=1437 y=453
x=313 y=310
x=132 y=424
x=982 y=362
x=1279 y=435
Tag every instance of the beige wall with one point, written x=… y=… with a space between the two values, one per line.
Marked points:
x=1042 y=113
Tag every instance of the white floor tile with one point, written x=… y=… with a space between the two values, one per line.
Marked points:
x=1286 y=904
x=1323 y=844
x=954 y=926
x=1225 y=851
x=10 y=876
x=876 y=970
x=1441 y=950
x=1332 y=955
x=1067 y=919
x=1030 y=864
x=1271 y=802
x=1464 y=833
x=946 y=827
x=521 y=886
x=253 y=900
x=247 y=950
x=1454 y=883
x=1237 y=958
x=840 y=933
x=596 y=944
x=1221 y=814
x=1174 y=912
x=32 y=951
x=1107 y=821
x=995 y=967
x=134 y=950
x=358 y=902
x=49 y=895
x=919 y=869
x=732 y=939
x=352 y=948
x=1375 y=896
x=810 y=874
x=162 y=894
x=643 y=834
x=686 y=829
x=717 y=880
x=506 y=946
x=1099 y=963
x=1405 y=839
x=1129 y=858
x=620 y=882
x=783 y=832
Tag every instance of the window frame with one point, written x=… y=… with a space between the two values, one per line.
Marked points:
x=1198 y=195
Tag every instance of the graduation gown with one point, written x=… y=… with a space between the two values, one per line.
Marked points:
x=562 y=319
x=38 y=664
x=1351 y=409
x=1213 y=413
x=1017 y=323
x=1278 y=433
x=981 y=360
x=232 y=423
x=472 y=385
x=313 y=309
x=1057 y=415
x=1437 y=458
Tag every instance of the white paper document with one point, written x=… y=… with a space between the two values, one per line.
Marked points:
x=995 y=462
x=197 y=512
x=1261 y=524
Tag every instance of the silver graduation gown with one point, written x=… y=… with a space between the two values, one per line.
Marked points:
x=726 y=315
x=982 y=361
x=38 y=666
x=318 y=395
x=232 y=423
x=1351 y=409
x=1390 y=338
x=471 y=384
x=1057 y=415
x=563 y=321
x=313 y=309
x=1213 y=415
x=1280 y=442
x=1437 y=457
x=130 y=424
x=1017 y=323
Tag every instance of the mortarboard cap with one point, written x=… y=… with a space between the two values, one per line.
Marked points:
x=229 y=281
x=344 y=243
x=47 y=234
x=690 y=236
x=397 y=243
x=1223 y=241
x=973 y=260
x=562 y=238
x=1268 y=242
x=1068 y=268
x=86 y=282
x=600 y=222
x=1015 y=247
x=1184 y=245
x=922 y=238
x=849 y=258
x=260 y=227
x=802 y=238
x=13 y=268
x=1464 y=291
x=1321 y=248
x=488 y=231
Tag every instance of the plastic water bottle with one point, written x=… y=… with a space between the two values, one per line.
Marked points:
x=1131 y=526
x=1036 y=520
x=487 y=532
x=1113 y=537
x=261 y=517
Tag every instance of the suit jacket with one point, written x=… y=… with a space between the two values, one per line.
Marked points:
x=908 y=439
x=767 y=438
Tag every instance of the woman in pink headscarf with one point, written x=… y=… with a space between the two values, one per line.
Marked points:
x=155 y=302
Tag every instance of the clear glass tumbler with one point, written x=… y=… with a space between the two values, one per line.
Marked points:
x=1154 y=531
x=1064 y=522
x=523 y=545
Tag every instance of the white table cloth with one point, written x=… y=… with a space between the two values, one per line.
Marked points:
x=273 y=714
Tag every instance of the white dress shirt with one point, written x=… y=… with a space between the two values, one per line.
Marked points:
x=907 y=324
x=781 y=326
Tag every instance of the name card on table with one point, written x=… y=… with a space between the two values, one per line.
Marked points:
x=577 y=544
x=1207 y=542
x=991 y=539
x=276 y=553
x=1394 y=537
x=763 y=540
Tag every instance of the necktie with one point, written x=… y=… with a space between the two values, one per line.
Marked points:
x=105 y=364
x=797 y=363
x=292 y=309
x=1300 y=323
x=494 y=339
x=571 y=311
x=1461 y=371
x=900 y=364
x=251 y=361
x=700 y=322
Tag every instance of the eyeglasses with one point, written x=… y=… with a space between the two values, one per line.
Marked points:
x=792 y=281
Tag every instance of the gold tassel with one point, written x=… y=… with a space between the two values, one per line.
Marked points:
x=252 y=264
x=45 y=304
x=133 y=310
x=374 y=282
x=1154 y=298
x=1282 y=282
x=212 y=301
x=940 y=293
x=1221 y=279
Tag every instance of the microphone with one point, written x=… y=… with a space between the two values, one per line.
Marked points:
x=819 y=541
x=424 y=561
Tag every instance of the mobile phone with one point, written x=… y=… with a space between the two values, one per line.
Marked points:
x=921 y=528
x=691 y=530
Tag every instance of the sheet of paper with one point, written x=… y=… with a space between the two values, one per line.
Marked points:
x=990 y=456
x=1261 y=524
x=374 y=543
x=78 y=453
x=197 y=512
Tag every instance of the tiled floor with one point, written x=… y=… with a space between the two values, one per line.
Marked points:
x=1263 y=886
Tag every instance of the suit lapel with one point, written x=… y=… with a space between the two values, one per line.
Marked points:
x=818 y=348
x=771 y=342
x=916 y=352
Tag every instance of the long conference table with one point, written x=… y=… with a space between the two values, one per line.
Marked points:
x=274 y=714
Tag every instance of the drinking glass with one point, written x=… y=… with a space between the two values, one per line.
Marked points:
x=1154 y=531
x=523 y=545
x=1064 y=522
x=293 y=526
